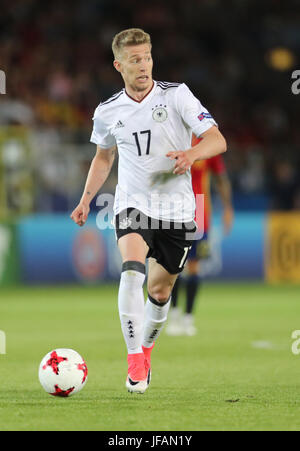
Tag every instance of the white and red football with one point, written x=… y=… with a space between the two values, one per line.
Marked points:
x=63 y=372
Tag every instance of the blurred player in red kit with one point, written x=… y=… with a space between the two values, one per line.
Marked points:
x=179 y=323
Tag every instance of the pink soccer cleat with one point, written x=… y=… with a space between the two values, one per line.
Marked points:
x=147 y=354
x=137 y=378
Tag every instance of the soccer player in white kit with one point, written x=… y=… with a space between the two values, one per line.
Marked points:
x=150 y=123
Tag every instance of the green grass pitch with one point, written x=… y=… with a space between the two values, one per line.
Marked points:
x=237 y=373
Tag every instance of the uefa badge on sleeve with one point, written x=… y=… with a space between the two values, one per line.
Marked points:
x=204 y=115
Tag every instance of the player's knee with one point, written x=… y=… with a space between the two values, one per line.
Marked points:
x=161 y=293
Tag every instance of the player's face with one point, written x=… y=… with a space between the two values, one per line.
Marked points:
x=135 y=66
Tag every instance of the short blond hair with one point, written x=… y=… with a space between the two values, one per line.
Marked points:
x=131 y=36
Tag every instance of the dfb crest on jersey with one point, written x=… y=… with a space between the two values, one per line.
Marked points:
x=160 y=113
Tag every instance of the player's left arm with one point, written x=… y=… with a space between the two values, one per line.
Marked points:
x=212 y=143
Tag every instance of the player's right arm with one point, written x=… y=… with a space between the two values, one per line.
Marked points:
x=99 y=170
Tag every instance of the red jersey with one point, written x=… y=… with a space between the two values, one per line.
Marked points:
x=201 y=172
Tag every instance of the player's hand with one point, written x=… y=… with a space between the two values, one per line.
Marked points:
x=183 y=161
x=80 y=214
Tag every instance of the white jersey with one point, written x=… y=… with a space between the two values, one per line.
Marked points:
x=144 y=133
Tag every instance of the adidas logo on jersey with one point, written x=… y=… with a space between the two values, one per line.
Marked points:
x=119 y=124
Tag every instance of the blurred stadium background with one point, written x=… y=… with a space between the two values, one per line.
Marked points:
x=237 y=57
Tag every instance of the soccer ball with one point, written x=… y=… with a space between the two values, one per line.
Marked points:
x=63 y=372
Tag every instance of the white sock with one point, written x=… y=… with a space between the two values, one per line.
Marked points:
x=155 y=319
x=131 y=307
